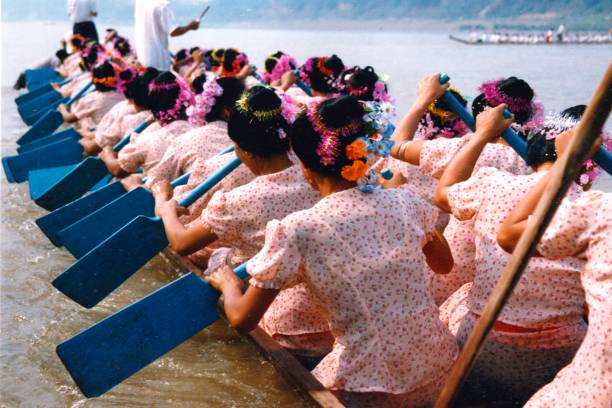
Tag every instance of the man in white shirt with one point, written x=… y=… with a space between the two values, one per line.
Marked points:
x=82 y=13
x=153 y=23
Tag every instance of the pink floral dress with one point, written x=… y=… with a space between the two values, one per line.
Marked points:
x=361 y=257
x=203 y=169
x=239 y=218
x=74 y=86
x=584 y=226
x=125 y=124
x=109 y=131
x=92 y=107
x=435 y=157
x=541 y=326
x=199 y=143
x=148 y=149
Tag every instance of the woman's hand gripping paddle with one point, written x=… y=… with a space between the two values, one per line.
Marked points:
x=87 y=233
x=117 y=347
x=50 y=121
x=90 y=279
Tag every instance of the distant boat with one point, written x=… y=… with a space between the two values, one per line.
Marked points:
x=480 y=41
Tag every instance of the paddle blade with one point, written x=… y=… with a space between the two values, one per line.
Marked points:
x=41 y=180
x=52 y=223
x=89 y=232
x=47 y=140
x=36 y=105
x=33 y=94
x=17 y=168
x=73 y=185
x=44 y=126
x=93 y=277
x=117 y=347
x=41 y=76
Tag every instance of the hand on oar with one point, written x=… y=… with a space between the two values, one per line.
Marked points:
x=107 y=266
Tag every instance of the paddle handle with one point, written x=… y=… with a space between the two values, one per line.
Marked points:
x=301 y=83
x=227 y=150
x=181 y=181
x=203 y=13
x=509 y=135
x=241 y=271
x=126 y=139
x=604 y=159
x=209 y=183
x=256 y=75
x=79 y=94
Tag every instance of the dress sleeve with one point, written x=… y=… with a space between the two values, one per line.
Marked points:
x=222 y=217
x=86 y=105
x=568 y=233
x=466 y=197
x=166 y=169
x=277 y=265
x=437 y=154
x=132 y=156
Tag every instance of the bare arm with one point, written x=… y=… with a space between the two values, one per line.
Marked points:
x=244 y=311
x=490 y=124
x=109 y=157
x=193 y=25
x=438 y=254
x=183 y=239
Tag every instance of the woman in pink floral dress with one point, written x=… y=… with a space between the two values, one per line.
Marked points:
x=431 y=155
x=541 y=327
x=238 y=218
x=363 y=253
x=582 y=226
x=209 y=114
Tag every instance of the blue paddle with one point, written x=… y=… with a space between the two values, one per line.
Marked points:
x=39 y=91
x=90 y=279
x=38 y=77
x=38 y=185
x=603 y=158
x=301 y=83
x=117 y=347
x=36 y=115
x=61 y=153
x=34 y=106
x=88 y=232
x=82 y=178
x=50 y=120
x=62 y=135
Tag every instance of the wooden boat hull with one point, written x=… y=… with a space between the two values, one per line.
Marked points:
x=287 y=365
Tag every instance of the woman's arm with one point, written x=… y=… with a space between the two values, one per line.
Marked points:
x=185 y=240
x=429 y=89
x=438 y=254
x=244 y=311
x=489 y=124
x=109 y=157
x=68 y=116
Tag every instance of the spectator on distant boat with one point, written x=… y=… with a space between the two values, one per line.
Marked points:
x=153 y=23
x=82 y=13
x=561 y=31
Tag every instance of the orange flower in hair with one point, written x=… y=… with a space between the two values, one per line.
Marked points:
x=355 y=171
x=323 y=69
x=357 y=150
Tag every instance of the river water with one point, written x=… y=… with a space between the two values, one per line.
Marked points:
x=215 y=368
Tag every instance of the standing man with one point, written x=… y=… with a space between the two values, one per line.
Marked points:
x=82 y=13
x=154 y=22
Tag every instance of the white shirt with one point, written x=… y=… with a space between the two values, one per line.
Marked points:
x=80 y=11
x=153 y=23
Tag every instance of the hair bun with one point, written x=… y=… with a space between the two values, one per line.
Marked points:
x=262 y=98
x=341 y=111
x=165 y=77
x=575 y=112
x=335 y=64
x=516 y=88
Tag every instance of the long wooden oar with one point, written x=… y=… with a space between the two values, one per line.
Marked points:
x=571 y=162
x=117 y=347
x=90 y=279
x=88 y=232
x=50 y=121
x=82 y=178
x=603 y=158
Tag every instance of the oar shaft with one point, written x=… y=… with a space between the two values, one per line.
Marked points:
x=126 y=139
x=180 y=180
x=79 y=94
x=565 y=174
x=301 y=83
x=209 y=183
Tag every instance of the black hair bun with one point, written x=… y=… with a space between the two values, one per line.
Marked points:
x=104 y=70
x=198 y=83
x=516 y=88
x=165 y=77
x=262 y=98
x=574 y=112
x=335 y=64
x=272 y=60
x=339 y=112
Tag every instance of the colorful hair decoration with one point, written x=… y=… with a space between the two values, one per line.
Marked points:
x=204 y=102
x=289 y=109
x=184 y=99
x=453 y=127
x=377 y=130
x=109 y=82
x=122 y=84
x=285 y=63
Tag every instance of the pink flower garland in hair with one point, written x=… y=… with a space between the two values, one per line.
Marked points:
x=284 y=64
x=289 y=109
x=430 y=131
x=306 y=69
x=184 y=99
x=204 y=102
x=123 y=83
